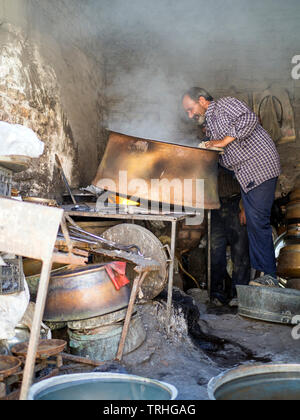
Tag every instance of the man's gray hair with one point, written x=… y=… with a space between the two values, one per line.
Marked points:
x=196 y=92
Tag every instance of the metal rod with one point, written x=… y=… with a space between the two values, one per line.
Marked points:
x=107 y=242
x=35 y=330
x=83 y=360
x=58 y=162
x=209 y=254
x=138 y=281
x=171 y=273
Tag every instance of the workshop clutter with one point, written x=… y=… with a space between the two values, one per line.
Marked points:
x=92 y=302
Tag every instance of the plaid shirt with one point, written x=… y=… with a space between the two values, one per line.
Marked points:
x=252 y=155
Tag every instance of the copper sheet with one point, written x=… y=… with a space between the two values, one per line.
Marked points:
x=155 y=160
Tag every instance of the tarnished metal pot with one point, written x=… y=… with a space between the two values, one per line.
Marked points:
x=269 y=303
x=102 y=343
x=83 y=293
x=288 y=265
x=273 y=382
x=141 y=168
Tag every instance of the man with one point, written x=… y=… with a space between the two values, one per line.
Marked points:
x=250 y=152
x=228 y=228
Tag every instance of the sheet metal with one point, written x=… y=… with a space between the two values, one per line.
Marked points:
x=155 y=160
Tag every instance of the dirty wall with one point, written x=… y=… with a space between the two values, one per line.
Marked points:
x=53 y=85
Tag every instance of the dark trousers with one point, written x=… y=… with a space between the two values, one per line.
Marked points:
x=258 y=204
x=226 y=230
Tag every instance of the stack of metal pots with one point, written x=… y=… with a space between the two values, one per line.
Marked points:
x=87 y=301
x=289 y=257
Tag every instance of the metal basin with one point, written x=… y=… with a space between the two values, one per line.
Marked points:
x=102 y=343
x=83 y=293
x=257 y=383
x=102 y=386
x=269 y=304
x=149 y=160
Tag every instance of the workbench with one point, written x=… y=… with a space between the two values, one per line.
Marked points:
x=134 y=215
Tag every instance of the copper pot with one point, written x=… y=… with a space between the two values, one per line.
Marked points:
x=293 y=210
x=295 y=195
x=83 y=293
x=154 y=164
x=289 y=261
x=293 y=231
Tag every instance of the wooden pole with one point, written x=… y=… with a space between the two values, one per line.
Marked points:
x=36 y=327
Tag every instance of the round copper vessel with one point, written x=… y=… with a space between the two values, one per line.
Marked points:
x=295 y=195
x=83 y=293
x=293 y=231
x=289 y=261
x=293 y=210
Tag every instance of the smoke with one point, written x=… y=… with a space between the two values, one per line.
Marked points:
x=153 y=51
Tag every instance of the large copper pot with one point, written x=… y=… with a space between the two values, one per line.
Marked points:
x=83 y=293
x=295 y=195
x=293 y=211
x=150 y=160
x=289 y=261
x=293 y=231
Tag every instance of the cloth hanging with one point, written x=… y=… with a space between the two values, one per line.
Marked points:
x=276 y=97
x=116 y=271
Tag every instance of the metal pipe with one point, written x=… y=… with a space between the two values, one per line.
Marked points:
x=107 y=242
x=171 y=273
x=209 y=254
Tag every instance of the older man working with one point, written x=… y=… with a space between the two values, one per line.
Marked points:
x=250 y=152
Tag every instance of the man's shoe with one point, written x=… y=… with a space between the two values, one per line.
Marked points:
x=215 y=301
x=265 y=281
x=234 y=303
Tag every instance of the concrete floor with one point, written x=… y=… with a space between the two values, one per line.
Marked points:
x=189 y=362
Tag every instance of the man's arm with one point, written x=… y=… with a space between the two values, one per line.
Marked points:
x=219 y=143
x=238 y=122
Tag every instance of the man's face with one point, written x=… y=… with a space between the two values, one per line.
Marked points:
x=195 y=110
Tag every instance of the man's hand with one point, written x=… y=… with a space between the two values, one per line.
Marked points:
x=242 y=217
x=214 y=143
x=219 y=143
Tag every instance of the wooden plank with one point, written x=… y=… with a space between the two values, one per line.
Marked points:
x=27 y=229
x=30 y=230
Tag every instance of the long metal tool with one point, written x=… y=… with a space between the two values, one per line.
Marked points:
x=79 y=207
x=58 y=162
x=82 y=233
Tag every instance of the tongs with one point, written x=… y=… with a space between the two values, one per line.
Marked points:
x=83 y=236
